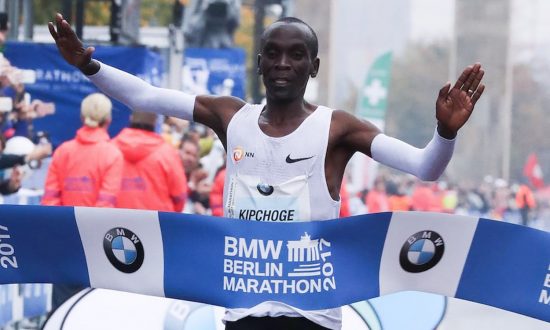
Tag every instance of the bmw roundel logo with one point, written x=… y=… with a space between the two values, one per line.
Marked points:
x=123 y=249
x=421 y=251
x=265 y=189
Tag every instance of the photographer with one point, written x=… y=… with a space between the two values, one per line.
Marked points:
x=13 y=183
x=10 y=160
x=17 y=112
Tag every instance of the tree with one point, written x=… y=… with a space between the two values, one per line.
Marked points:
x=417 y=75
x=98 y=12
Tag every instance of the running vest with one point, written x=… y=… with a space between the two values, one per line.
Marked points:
x=279 y=179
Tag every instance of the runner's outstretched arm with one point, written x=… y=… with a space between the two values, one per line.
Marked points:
x=137 y=94
x=453 y=109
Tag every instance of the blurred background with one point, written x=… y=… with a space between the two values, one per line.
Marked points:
x=383 y=61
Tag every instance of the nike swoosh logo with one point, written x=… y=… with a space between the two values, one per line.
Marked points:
x=295 y=160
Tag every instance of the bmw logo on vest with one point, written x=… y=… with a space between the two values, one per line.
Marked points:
x=265 y=189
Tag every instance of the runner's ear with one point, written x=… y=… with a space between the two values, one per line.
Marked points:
x=258 y=60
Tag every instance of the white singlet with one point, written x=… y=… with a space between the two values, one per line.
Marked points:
x=279 y=179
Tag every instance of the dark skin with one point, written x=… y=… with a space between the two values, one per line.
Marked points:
x=286 y=64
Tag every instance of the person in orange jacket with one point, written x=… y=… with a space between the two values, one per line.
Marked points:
x=216 y=194
x=377 y=200
x=398 y=199
x=86 y=171
x=525 y=201
x=344 y=200
x=153 y=176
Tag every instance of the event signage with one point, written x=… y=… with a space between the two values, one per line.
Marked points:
x=310 y=265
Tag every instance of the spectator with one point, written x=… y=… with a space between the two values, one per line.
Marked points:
x=10 y=160
x=153 y=176
x=398 y=199
x=216 y=194
x=4 y=27
x=198 y=187
x=525 y=201
x=87 y=170
x=189 y=154
x=344 y=200
x=13 y=183
x=377 y=200
x=423 y=197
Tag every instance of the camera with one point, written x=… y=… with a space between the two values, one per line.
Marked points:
x=6 y=104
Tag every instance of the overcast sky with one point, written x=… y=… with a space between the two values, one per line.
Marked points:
x=434 y=19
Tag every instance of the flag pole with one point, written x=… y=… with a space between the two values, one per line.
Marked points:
x=507 y=103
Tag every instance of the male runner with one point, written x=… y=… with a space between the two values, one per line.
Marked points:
x=286 y=159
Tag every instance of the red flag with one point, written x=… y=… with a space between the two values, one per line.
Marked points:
x=533 y=171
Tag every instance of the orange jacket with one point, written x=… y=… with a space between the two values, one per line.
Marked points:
x=525 y=198
x=400 y=203
x=424 y=199
x=153 y=176
x=344 y=200
x=84 y=171
x=216 y=194
x=377 y=201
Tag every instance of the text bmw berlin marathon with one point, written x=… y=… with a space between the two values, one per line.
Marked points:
x=256 y=266
x=545 y=292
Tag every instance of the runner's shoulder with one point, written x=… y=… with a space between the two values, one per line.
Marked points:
x=342 y=121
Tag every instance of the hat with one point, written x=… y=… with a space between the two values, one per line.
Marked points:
x=95 y=110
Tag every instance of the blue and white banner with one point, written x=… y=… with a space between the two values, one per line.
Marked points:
x=214 y=71
x=309 y=265
x=64 y=85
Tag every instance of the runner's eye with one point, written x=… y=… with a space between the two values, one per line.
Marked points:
x=298 y=55
x=271 y=54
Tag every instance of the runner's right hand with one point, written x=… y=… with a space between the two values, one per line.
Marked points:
x=68 y=44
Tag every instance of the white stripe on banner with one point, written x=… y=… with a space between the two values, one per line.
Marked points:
x=415 y=241
x=107 y=233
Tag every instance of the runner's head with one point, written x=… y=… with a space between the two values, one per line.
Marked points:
x=288 y=57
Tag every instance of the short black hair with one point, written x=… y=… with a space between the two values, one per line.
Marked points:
x=312 y=41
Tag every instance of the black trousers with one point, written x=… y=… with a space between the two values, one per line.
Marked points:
x=273 y=323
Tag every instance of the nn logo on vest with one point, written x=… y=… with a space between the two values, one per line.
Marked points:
x=421 y=251
x=124 y=249
x=239 y=153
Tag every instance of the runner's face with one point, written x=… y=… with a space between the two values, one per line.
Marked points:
x=285 y=62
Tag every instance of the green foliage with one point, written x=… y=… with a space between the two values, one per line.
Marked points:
x=98 y=12
x=44 y=10
x=156 y=12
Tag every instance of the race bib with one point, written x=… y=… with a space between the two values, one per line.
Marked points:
x=251 y=199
